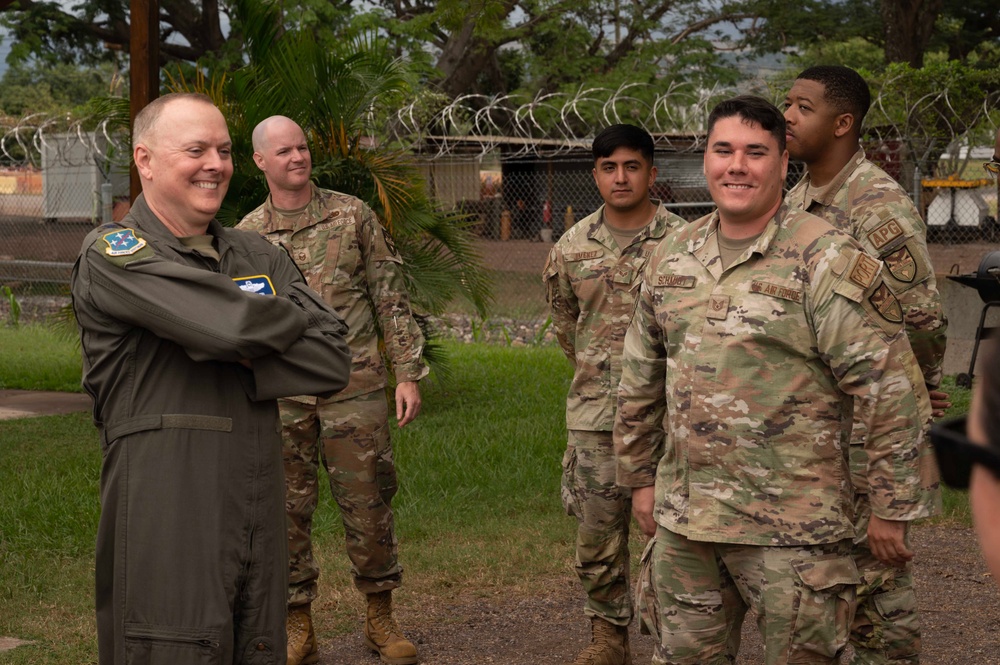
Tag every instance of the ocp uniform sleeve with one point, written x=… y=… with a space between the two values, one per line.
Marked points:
x=562 y=302
x=386 y=285
x=859 y=328
x=638 y=433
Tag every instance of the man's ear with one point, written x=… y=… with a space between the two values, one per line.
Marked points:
x=258 y=159
x=843 y=124
x=142 y=157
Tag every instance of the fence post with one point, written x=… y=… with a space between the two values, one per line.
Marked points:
x=107 y=203
x=918 y=191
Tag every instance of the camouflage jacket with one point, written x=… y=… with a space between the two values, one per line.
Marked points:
x=349 y=258
x=760 y=365
x=866 y=203
x=591 y=289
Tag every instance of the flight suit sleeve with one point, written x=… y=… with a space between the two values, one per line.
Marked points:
x=859 y=331
x=562 y=302
x=639 y=436
x=386 y=285
x=318 y=363
x=202 y=311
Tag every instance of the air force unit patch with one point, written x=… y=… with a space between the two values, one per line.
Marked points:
x=123 y=242
x=259 y=284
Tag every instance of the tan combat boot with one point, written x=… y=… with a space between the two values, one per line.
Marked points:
x=301 y=638
x=608 y=645
x=383 y=636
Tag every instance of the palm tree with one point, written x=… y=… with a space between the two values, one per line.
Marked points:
x=334 y=95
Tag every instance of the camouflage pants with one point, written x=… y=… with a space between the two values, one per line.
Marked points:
x=886 y=628
x=694 y=595
x=351 y=438
x=590 y=494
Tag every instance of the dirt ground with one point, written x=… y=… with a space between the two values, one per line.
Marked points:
x=959 y=603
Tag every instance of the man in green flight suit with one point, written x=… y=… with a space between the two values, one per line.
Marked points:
x=189 y=333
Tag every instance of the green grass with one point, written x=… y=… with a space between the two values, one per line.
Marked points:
x=478 y=510
x=36 y=357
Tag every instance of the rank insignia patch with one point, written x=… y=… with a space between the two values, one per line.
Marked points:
x=901 y=265
x=123 y=242
x=259 y=284
x=885 y=303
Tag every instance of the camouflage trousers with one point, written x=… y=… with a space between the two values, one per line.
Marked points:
x=351 y=439
x=694 y=595
x=886 y=628
x=590 y=494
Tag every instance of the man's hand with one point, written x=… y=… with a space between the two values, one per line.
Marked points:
x=939 y=402
x=886 y=541
x=407 y=401
x=643 y=499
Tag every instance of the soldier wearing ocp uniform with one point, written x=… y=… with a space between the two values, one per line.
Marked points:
x=738 y=379
x=824 y=110
x=350 y=260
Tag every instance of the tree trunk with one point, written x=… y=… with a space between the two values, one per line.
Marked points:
x=909 y=25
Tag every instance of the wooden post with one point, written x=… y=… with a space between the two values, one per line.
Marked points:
x=144 y=72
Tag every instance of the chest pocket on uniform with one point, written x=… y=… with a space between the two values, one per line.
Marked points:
x=342 y=252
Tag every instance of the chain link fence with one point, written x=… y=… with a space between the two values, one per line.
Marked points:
x=521 y=169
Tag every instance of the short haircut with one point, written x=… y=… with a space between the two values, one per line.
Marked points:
x=844 y=89
x=752 y=109
x=146 y=119
x=623 y=136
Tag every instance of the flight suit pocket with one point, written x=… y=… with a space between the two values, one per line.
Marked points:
x=825 y=608
x=147 y=644
x=260 y=652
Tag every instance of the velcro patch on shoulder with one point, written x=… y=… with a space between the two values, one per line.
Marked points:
x=583 y=256
x=124 y=246
x=864 y=271
x=259 y=284
x=885 y=303
x=901 y=264
x=122 y=242
x=885 y=233
x=674 y=281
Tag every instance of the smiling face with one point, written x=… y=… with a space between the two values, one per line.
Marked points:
x=185 y=164
x=284 y=156
x=812 y=123
x=624 y=179
x=745 y=171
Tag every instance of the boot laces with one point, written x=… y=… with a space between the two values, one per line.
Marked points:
x=382 y=618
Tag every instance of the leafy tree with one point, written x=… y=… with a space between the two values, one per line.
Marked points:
x=44 y=88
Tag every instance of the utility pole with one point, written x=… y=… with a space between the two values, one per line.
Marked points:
x=144 y=73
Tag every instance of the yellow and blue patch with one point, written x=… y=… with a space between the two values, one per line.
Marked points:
x=259 y=284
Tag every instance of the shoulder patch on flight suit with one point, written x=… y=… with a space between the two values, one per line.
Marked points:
x=124 y=246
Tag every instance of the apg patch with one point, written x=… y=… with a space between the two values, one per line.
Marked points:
x=886 y=304
x=259 y=284
x=885 y=234
x=123 y=242
x=901 y=265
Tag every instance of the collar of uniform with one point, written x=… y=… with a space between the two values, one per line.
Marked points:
x=149 y=224
x=275 y=221
x=598 y=232
x=825 y=194
x=705 y=250
x=656 y=228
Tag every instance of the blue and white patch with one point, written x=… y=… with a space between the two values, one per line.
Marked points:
x=259 y=284
x=123 y=242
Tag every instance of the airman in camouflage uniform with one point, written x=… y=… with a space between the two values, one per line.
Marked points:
x=592 y=278
x=734 y=411
x=824 y=111
x=349 y=259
